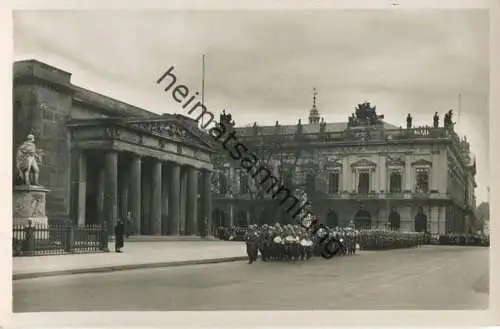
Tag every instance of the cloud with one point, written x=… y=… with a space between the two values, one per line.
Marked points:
x=264 y=64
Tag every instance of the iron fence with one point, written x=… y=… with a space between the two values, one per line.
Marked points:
x=39 y=240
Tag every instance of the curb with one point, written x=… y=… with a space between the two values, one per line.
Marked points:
x=104 y=269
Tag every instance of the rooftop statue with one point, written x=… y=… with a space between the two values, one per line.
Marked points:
x=448 y=121
x=28 y=161
x=436 y=120
x=409 y=120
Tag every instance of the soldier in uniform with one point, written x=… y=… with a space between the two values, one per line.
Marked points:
x=264 y=242
x=252 y=243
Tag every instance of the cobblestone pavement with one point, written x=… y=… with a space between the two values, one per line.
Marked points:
x=431 y=277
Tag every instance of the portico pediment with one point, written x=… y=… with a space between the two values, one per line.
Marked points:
x=169 y=128
x=422 y=162
x=364 y=163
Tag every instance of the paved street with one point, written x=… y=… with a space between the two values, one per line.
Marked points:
x=431 y=277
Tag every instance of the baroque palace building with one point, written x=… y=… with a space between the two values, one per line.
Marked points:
x=364 y=170
x=104 y=159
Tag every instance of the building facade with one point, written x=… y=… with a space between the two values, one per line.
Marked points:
x=104 y=159
x=363 y=170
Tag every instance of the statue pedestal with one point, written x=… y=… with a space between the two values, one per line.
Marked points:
x=29 y=205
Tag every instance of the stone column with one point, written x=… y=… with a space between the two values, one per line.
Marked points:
x=164 y=199
x=354 y=184
x=146 y=199
x=408 y=179
x=443 y=177
x=111 y=189
x=373 y=180
x=434 y=219
x=382 y=185
x=207 y=199
x=442 y=220
x=435 y=172
x=174 y=201
x=155 y=212
x=124 y=181
x=100 y=195
x=231 y=215
x=135 y=191
x=82 y=187
x=182 y=226
x=192 y=202
x=346 y=175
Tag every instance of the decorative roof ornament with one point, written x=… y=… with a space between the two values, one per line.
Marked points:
x=314 y=113
x=365 y=114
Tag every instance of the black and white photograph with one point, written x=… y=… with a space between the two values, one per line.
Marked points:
x=251 y=160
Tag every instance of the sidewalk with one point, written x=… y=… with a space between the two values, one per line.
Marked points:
x=135 y=255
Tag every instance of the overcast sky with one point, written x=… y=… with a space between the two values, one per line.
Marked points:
x=262 y=65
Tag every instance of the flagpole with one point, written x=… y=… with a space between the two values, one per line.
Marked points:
x=202 y=83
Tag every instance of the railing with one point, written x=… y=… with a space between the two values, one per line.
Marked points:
x=58 y=240
x=349 y=135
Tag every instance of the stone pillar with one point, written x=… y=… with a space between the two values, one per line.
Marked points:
x=382 y=184
x=82 y=187
x=124 y=181
x=354 y=183
x=248 y=217
x=373 y=180
x=135 y=191
x=435 y=172
x=100 y=195
x=155 y=212
x=346 y=175
x=434 y=219
x=442 y=220
x=111 y=189
x=192 y=202
x=174 y=201
x=182 y=222
x=408 y=179
x=146 y=198
x=207 y=199
x=443 y=176
x=231 y=215
x=164 y=199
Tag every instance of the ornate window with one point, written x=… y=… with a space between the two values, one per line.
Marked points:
x=333 y=183
x=395 y=181
x=422 y=180
x=364 y=182
x=363 y=174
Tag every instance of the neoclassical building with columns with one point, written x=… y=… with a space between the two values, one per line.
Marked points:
x=363 y=170
x=104 y=159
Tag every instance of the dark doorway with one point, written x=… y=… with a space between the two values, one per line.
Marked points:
x=362 y=219
x=332 y=218
x=420 y=221
x=220 y=218
x=394 y=220
x=91 y=190
x=241 y=218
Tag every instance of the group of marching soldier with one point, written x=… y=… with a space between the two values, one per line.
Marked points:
x=292 y=242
